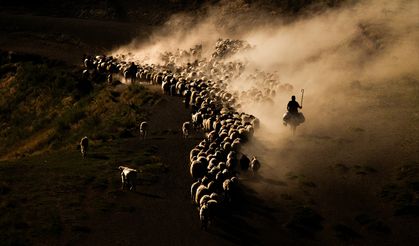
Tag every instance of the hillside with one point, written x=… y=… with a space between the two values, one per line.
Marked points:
x=47 y=106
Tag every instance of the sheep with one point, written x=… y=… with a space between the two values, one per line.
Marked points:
x=186 y=128
x=222 y=165
x=143 y=129
x=211 y=136
x=244 y=162
x=204 y=199
x=212 y=205
x=194 y=153
x=254 y=165
x=207 y=124
x=205 y=85
x=129 y=178
x=205 y=180
x=197 y=120
x=200 y=192
x=231 y=164
x=204 y=216
x=84 y=145
x=236 y=145
x=213 y=172
x=203 y=160
x=187 y=96
x=212 y=186
x=166 y=87
x=212 y=163
x=88 y=63
x=255 y=123
x=194 y=188
x=172 y=90
x=227 y=187
x=197 y=169
x=131 y=72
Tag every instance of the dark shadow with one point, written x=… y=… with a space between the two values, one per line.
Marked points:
x=148 y=195
x=234 y=221
x=158 y=138
x=235 y=230
x=98 y=156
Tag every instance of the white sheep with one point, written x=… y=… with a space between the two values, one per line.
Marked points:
x=84 y=145
x=186 y=128
x=128 y=177
x=143 y=129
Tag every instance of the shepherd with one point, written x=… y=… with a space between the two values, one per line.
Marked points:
x=293 y=106
x=292 y=116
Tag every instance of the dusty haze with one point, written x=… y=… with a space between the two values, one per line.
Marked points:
x=358 y=65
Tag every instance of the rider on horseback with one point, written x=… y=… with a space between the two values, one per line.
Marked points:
x=292 y=108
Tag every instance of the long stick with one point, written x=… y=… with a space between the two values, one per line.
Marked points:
x=302 y=96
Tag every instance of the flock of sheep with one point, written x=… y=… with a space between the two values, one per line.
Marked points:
x=217 y=161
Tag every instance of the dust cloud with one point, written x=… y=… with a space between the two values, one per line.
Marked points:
x=357 y=63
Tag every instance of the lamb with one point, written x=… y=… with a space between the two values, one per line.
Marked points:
x=129 y=178
x=186 y=128
x=143 y=129
x=84 y=145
